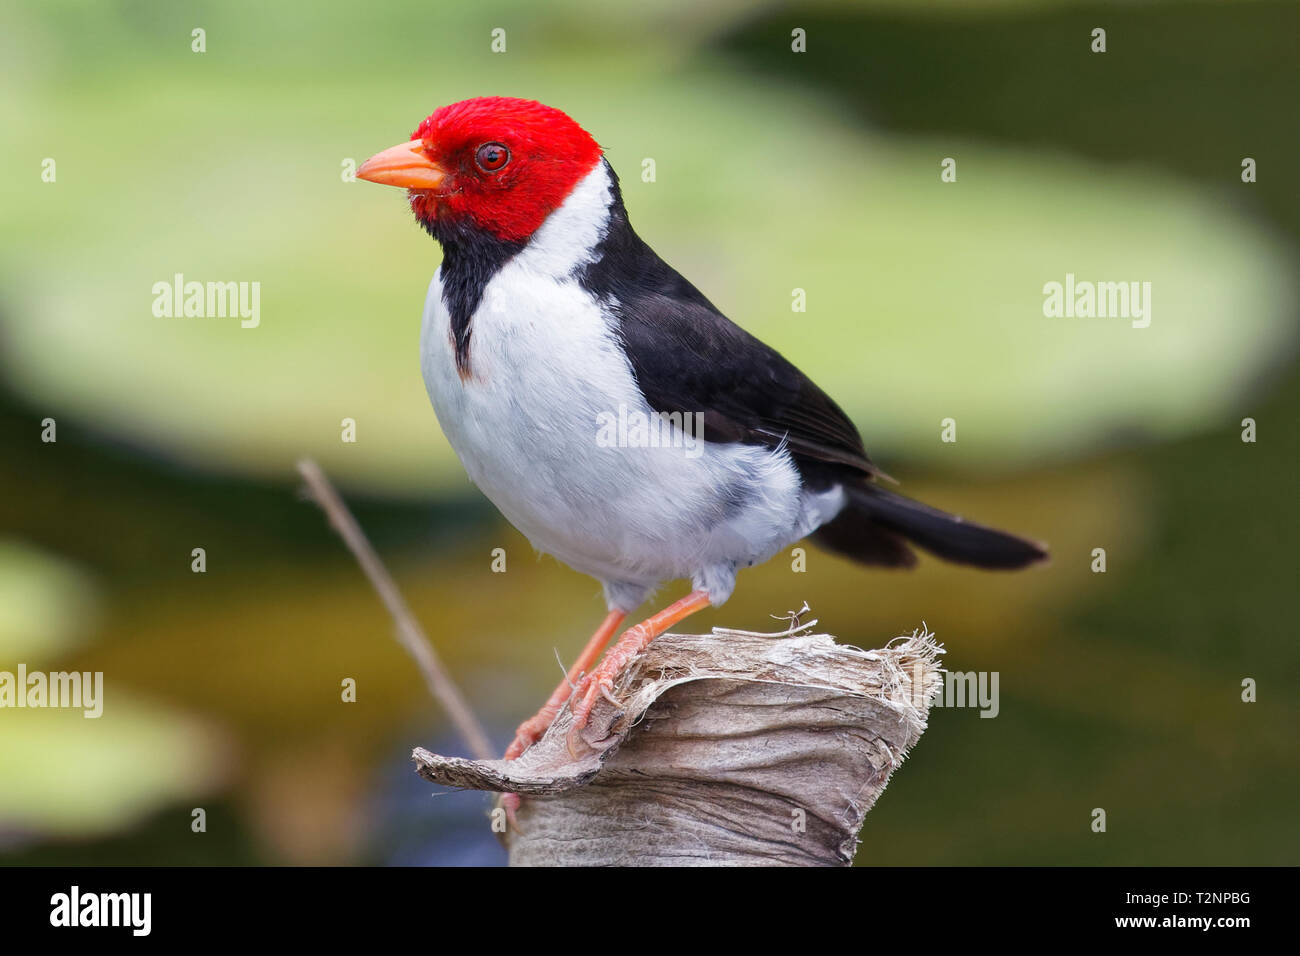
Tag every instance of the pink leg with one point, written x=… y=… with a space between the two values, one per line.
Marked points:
x=633 y=642
x=531 y=730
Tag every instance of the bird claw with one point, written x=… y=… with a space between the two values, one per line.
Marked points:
x=597 y=683
x=523 y=740
x=511 y=802
x=527 y=734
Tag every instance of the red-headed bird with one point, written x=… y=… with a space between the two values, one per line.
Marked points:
x=550 y=316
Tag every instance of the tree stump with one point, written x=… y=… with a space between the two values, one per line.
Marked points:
x=731 y=748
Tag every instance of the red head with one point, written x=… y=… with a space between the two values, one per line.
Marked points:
x=495 y=164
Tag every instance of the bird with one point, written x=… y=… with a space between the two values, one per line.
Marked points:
x=548 y=315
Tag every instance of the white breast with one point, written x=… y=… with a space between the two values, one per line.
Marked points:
x=545 y=366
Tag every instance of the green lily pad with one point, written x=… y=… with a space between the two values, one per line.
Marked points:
x=74 y=775
x=46 y=605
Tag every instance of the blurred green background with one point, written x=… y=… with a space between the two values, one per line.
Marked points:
x=775 y=170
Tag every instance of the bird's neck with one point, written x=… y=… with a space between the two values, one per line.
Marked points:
x=469 y=261
x=569 y=241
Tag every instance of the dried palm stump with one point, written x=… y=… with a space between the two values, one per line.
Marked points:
x=731 y=748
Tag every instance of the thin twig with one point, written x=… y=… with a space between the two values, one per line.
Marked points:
x=409 y=633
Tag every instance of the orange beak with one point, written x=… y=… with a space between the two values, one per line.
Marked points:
x=406 y=165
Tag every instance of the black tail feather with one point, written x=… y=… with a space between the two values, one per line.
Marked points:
x=874 y=523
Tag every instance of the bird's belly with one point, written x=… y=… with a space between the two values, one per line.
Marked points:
x=532 y=425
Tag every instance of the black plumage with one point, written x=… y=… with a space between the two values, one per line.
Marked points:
x=470 y=258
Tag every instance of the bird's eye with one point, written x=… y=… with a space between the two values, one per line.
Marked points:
x=491 y=157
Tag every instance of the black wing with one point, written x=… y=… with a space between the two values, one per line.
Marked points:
x=689 y=357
